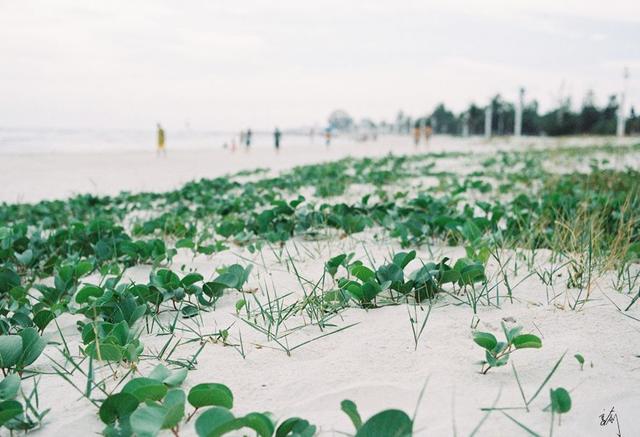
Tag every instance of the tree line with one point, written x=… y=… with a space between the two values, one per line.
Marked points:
x=587 y=119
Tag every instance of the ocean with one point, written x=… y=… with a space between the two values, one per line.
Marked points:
x=36 y=141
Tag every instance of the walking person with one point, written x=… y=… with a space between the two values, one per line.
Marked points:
x=161 y=149
x=247 y=138
x=327 y=136
x=276 y=137
x=416 y=133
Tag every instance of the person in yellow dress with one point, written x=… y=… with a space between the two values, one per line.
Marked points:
x=161 y=149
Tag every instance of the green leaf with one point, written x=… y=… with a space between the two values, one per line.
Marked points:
x=401 y=259
x=260 y=423
x=524 y=341
x=207 y=394
x=240 y=303
x=176 y=378
x=448 y=276
x=103 y=250
x=191 y=279
x=560 y=400
x=363 y=273
x=8 y=280
x=82 y=268
x=117 y=406
x=211 y=421
x=172 y=378
x=174 y=405
x=189 y=311
x=9 y=387
x=185 y=243
x=332 y=265
x=580 y=359
x=218 y=421
x=104 y=351
x=9 y=410
x=42 y=318
x=32 y=346
x=485 y=340
x=391 y=273
x=470 y=271
x=351 y=410
x=145 y=389
x=391 y=423
x=295 y=427
x=87 y=292
x=10 y=350
x=491 y=359
x=147 y=420
x=159 y=373
x=25 y=257
x=370 y=290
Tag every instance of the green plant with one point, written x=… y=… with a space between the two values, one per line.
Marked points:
x=497 y=353
x=111 y=342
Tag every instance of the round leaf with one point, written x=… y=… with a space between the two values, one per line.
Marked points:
x=145 y=389
x=206 y=394
x=485 y=340
x=87 y=292
x=9 y=410
x=209 y=422
x=9 y=387
x=117 y=406
x=560 y=400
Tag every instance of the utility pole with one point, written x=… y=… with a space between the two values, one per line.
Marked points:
x=621 y=118
x=488 y=115
x=517 y=129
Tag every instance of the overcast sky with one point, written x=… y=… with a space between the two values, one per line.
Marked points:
x=226 y=65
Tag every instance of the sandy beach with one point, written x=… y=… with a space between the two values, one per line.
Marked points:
x=374 y=360
x=320 y=219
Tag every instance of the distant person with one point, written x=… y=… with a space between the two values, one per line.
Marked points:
x=276 y=138
x=161 y=149
x=311 y=134
x=428 y=131
x=416 y=134
x=242 y=138
x=327 y=137
x=248 y=138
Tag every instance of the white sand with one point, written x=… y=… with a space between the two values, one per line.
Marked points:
x=374 y=362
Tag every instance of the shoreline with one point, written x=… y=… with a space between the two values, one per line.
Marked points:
x=30 y=178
